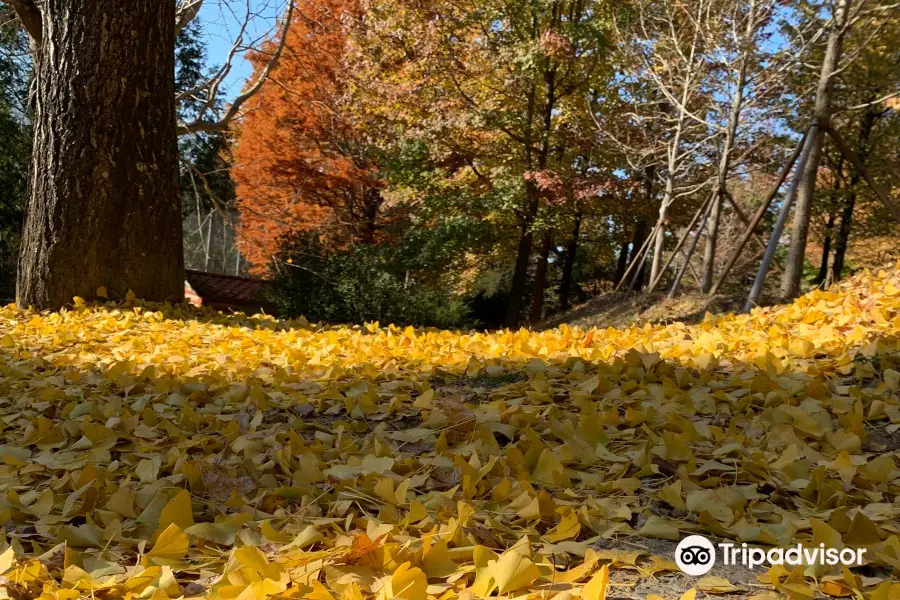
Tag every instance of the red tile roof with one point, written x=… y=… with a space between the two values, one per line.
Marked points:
x=226 y=291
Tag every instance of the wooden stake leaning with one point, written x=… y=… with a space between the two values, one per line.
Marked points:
x=769 y=256
x=862 y=170
x=639 y=274
x=690 y=252
x=637 y=257
x=760 y=213
x=680 y=243
x=756 y=236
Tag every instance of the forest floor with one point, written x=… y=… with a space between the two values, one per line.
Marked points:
x=623 y=309
x=166 y=452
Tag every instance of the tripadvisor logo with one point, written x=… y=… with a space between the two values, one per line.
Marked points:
x=695 y=555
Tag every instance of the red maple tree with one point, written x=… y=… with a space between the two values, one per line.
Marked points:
x=301 y=163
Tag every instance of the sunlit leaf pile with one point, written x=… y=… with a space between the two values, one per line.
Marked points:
x=154 y=452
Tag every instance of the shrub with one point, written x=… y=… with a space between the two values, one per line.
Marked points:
x=362 y=283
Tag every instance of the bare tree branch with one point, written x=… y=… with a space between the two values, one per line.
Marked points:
x=202 y=126
x=185 y=13
x=880 y=100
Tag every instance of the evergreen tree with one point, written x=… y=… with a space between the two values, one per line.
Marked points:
x=15 y=144
x=207 y=189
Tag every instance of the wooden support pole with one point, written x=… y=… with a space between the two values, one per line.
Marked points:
x=690 y=252
x=848 y=152
x=691 y=268
x=756 y=237
x=639 y=274
x=769 y=256
x=760 y=213
x=637 y=257
x=680 y=242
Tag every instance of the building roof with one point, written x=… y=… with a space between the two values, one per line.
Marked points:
x=227 y=291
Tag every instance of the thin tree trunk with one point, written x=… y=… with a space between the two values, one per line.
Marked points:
x=208 y=247
x=708 y=270
x=532 y=193
x=640 y=232
x=690 y=251
x=826 y=250
x=640 y=237
x=660 y=239
x=103 y=206
x=371 y=204
x=843 y=237
x=643 y=255
x=520 y=274
x=621 y=263
x=673 y=158
x=775 y=237
x=734 y=118
x=760 y=212
x=523 y=253
x=829 y=226
x=793 y=272
x=540 y=279
x=565 y=286
x=703 y=210
x=223 y=243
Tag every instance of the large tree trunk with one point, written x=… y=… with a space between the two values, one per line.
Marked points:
x=103 y=206
x=793 y=272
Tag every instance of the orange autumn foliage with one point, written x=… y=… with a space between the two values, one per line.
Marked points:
x=301 y=164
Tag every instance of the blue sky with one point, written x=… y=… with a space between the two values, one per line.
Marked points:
x=221 y=21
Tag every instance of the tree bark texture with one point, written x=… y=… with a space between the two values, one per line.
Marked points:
x=793 y=271
x=103 y=206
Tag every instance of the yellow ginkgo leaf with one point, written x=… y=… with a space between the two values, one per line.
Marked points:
x=512 y=572
x=272 y=535
x=598 y=586
x=177 y=511
x=172 y=544
x=406 y=583
x=568 y=528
